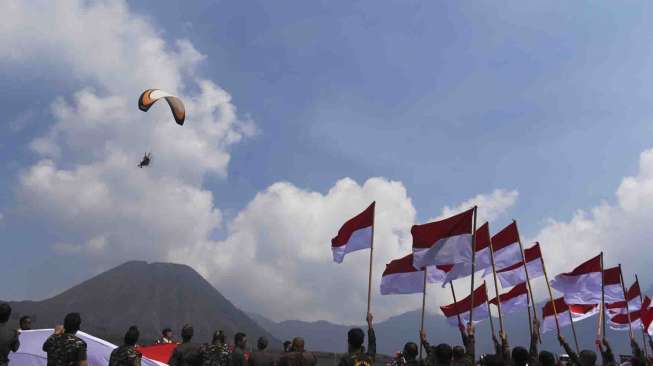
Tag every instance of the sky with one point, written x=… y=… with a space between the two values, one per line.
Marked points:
x=302 y=113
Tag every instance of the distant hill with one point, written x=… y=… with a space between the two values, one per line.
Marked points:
x=150 y=295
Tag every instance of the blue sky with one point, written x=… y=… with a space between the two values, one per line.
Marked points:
x=452 y=99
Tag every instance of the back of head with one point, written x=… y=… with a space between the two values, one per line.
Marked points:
x=546 y=358
x=218 y=337
x=520 y=356
x=492 y=360
x=458 y=352
x=238 y=338
x=72 y=323
x=286 y=346
x=262 y=343
x=587 y=357
x=443 y=353
x=410 y=351
x=297 y=344
x=355 y=338
x=187 y=333
x=5 y=312
x=166 y=331
x=131 y=337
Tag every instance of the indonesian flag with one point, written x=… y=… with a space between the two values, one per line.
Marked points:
x=447 y=241
x=515 y=274
x=481 y=310
x=620 y=321
x=562 y=312
x=612 y=284
x=355 y=234
x=506 y=246
x=483 y=258
x=634 y=302
x=513 y=300
x=583 y=284
x=400 y=277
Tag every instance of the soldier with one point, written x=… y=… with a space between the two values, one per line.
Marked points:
x=166 y=337
x=126 y=355
x=261 y=357
x=187 y=353
x=63 y=347
x=8 y=337
x=217 y=353
x=25 y=322
x=238 y=356
x=356 y=355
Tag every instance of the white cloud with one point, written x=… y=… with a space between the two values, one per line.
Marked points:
x=490 y=206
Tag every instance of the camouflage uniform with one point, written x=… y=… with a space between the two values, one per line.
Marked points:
x=215 y=355
x=64 y=350
x=124 y=356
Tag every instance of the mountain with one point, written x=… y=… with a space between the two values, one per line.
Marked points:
x=394 y=332
x=150 y=295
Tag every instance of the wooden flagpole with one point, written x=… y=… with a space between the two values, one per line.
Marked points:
x=641 y=301
x=453 y=293
x=602 y=308
x=573 y=329
x=531 y=299
x=496 y=290
x=487 y=301
x=623 y=287
x=421 y=327
x=369 y=282
x=471 y=303
x=548 y=286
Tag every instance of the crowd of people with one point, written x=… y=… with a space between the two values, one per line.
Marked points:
x=64 y=348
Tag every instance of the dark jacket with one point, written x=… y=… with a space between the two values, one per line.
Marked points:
x=237 y=358
x=8 y=343
x=261 y=358
x=298 y=359
x=64 y=349
x=350 y=358
x=186 y=354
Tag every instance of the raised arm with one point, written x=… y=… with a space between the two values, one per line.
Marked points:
x=573 y=357
x=606 y=352
x=471 y=343
x=637 y=352
x=535 y=338
x=505 y=347
x=371 y=338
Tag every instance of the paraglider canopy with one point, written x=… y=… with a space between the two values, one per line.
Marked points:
x=151 y=96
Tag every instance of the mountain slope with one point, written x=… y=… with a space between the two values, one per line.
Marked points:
x=152 y=296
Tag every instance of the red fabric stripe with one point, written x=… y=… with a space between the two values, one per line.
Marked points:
x=158 y=352
x=402 y=265
x=561 y=306
x=505 y=237
x=445 y=267
x=424 y=236
x=360 y=221
x=612 y=276
x=462 y=306
x=592 y=265
x=581 y=308
x=482 y=237
x=516 y=291
x=530 y=254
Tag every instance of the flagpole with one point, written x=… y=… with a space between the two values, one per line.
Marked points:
x=487 y=302
x=602 y=308
x=531 y=299
x=548 y=286
x=530 y=319
x=369 y=282
x=453 y=292
x=641 y=302
x=573 y=328
x=496 y=289
x=623 y=287
x=421 y=327
x=471 y=303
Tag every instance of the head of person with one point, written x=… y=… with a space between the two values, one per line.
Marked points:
x=492 y=360
x=5 y=312
x=286 y=346
x=262 y=343
x=410 y=351
x=458 y=353
x=240 y=340
x=443 y=354
x=167 y=333
x=634 y=361
x=546 y=358
x=519 y=356
x=218 y=337
x=72 y=323
x=355 y=339
x=297 y=344
x=131 y=337
x=187 y=333
x=587 y=358
x=25 y=322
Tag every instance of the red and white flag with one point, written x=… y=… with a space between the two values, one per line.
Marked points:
x=400 y=277
x=612 y=284
x=634 y=297
x=447 y=241
x=513 y=300
x=483 y=259
x=481 y=311
x=355 y=234
x=506 y=248
x=583 y=284
x=562 y=312
x=620 y=321
x=512 y=275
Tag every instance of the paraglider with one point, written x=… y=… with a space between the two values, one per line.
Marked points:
x=147 y=158
x=151 y=96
